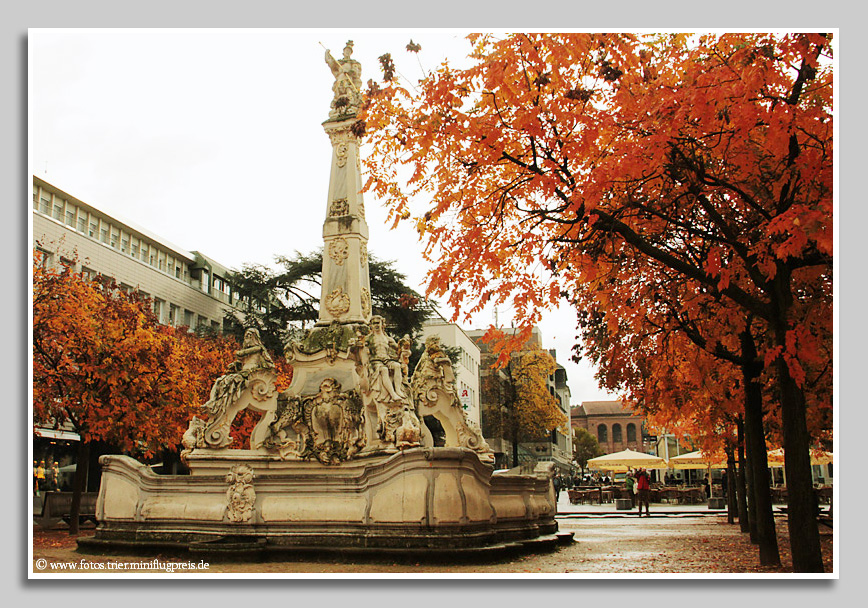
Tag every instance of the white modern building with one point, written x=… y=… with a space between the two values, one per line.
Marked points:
x=187 y=288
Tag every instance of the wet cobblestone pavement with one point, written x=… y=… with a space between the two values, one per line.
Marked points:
x=677 y=543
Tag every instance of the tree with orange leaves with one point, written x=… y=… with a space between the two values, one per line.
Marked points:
x=555 y=156
x=103 y=364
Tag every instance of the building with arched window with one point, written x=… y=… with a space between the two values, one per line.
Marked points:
x=614 y=423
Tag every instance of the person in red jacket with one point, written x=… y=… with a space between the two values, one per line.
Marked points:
x=643 y=483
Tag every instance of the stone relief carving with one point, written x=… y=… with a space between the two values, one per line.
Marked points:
x=362 y=209
x=341 y=135
x=366 y=301
x=434 y=394
x=250 y=379
x=388 y=389
x=348 y=83
x=240 y=496
x=363 y=253
x=337 y=302
x=409 y=433
x=339 y=250
x=328 y=426
x=341 y=151
x=339 y=207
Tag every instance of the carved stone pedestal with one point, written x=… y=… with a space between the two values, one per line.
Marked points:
x=421 y=498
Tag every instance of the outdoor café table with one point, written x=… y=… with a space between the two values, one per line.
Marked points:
x=689 y=496
x=595 y=491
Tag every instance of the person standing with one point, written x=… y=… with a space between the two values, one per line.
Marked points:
x=643 y=485
x=629 y=486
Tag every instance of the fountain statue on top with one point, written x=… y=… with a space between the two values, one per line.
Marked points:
x=351 y=395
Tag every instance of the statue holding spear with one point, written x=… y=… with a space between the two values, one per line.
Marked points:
x=348 y=83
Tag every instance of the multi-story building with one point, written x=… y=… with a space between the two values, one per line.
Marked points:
x=615 y=425
x=467 y=370
x=496 y=393
x=186 y=287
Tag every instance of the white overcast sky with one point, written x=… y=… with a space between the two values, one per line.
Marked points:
x=212 y=139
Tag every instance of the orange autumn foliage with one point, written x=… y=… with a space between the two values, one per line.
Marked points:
x=102 y=363
x=615 y=168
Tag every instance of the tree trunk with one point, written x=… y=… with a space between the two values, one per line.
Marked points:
x=749 y=494
x=78 y=485
x=801 y=513
x=514 y=447
x=730 y=486
x=753 y=418
x=741 y=482
x=801 y=507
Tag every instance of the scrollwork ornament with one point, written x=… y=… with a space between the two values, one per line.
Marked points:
x=339 y=250
x=337 y=302
x=366 y=301
x=341 y=154
x=240 y=496
x=339 y=207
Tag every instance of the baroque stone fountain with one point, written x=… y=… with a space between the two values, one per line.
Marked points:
x=341 y=459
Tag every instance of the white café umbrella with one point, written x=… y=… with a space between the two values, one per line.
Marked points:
x=699 y=460
x=626 y=459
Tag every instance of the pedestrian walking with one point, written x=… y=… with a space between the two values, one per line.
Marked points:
x=643 y=484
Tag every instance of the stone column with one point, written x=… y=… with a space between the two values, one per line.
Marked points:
x=346 y=289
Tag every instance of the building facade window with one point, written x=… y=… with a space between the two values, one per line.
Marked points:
x=159 y=306
x=92 y=230
x=70 y=218
x=82 y=224
x=45 y=205
x=631 y=432
x=602 y=434
x=43 y=257
x=58 y=211
x=617 y=437
x=104 y=235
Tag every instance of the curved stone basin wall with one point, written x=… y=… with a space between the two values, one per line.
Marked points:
x=418 y=498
